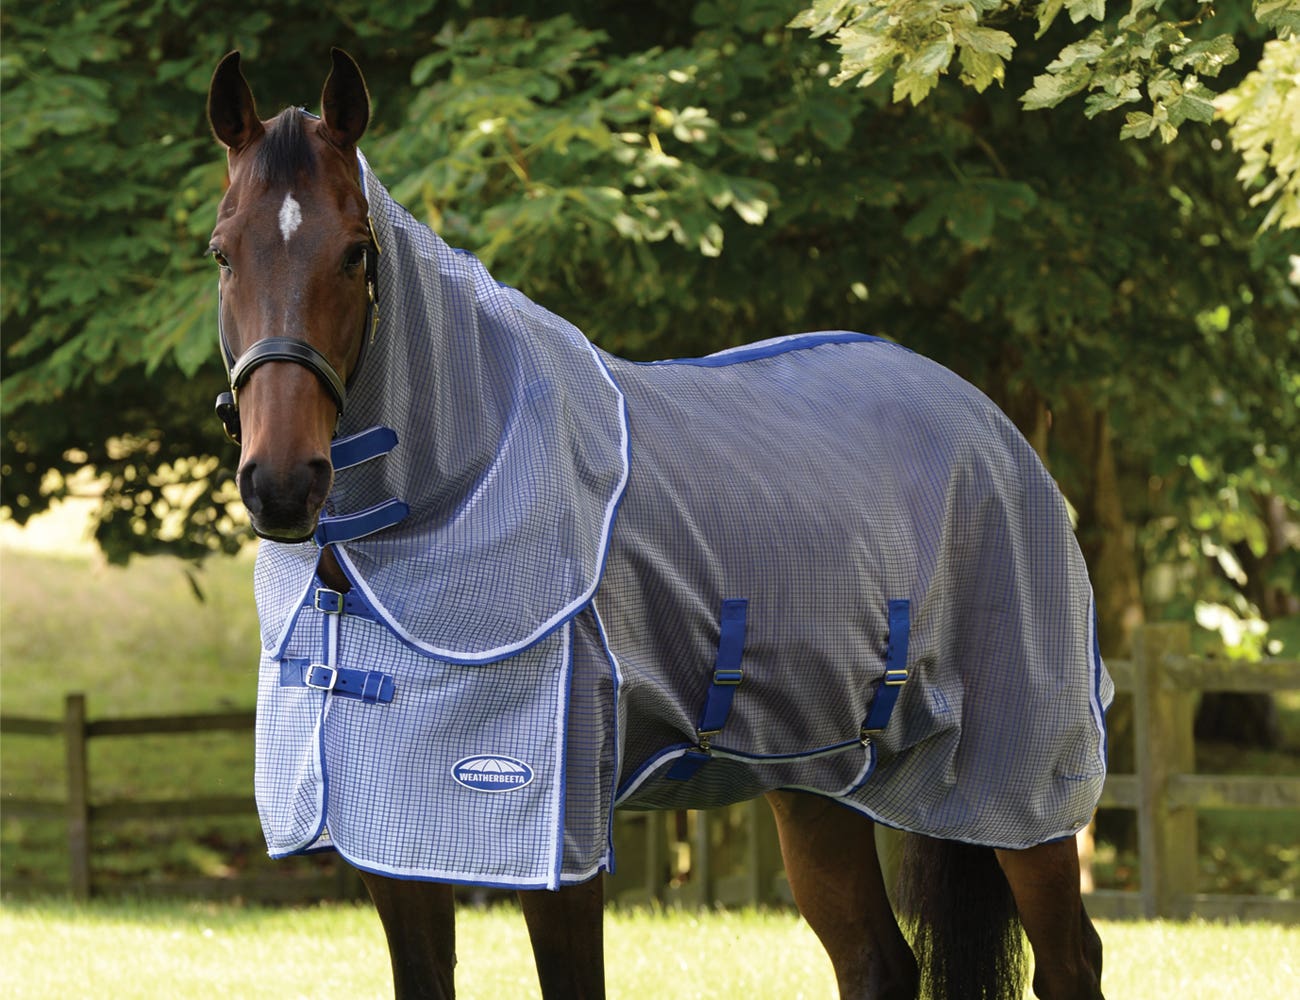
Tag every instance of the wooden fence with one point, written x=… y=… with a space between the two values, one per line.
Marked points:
x=672 y=857
x=83 y=816
x=1167 y=793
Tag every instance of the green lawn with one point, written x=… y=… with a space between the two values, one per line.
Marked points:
x=178 y=951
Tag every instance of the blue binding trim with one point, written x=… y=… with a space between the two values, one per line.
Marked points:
x=345 y=452
x=727 y=676
x=370 y=686
x=771 y=348
x=348 y=527
x=900 y=615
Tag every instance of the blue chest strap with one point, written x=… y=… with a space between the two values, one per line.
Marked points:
x=346 y=452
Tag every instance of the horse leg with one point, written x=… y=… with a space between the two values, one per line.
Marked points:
x=567 y=931
x=830 y=858
x=419 y=921
x=1067 y=949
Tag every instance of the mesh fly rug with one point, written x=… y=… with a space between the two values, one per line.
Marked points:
x=580 y=583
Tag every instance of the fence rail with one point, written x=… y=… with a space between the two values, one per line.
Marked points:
x=1164 y=791
x=1167 y=794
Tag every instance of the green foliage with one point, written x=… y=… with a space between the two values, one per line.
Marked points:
x=1147 y=56
x=1263 y=113
x=914 y=40
x=110 y=189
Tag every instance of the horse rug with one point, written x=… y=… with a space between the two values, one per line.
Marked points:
x=580 y=583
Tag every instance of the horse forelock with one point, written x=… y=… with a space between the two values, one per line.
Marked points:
x=285 y=152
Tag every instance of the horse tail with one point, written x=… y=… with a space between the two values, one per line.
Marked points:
x=958 y=910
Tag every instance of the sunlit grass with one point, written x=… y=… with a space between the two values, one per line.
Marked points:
x=132 y=950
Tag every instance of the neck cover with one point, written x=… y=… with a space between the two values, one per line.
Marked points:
x=511 y=455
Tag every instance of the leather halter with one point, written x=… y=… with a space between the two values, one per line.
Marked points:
x=238 y=371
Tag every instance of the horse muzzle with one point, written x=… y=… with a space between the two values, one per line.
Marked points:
x=284 y=504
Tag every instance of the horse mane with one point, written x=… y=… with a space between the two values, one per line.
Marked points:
x=284 y=153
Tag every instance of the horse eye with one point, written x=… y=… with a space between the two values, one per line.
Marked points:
x=356 y=258
x=220 y=258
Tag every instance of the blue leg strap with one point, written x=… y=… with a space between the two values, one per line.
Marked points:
x=900 y=624
x=727 y=676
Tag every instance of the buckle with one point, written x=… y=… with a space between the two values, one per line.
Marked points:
x=321 y=676
x=728 y=676
x=328 y=602
x=896 y=677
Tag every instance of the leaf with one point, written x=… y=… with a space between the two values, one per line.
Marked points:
x=1194 y=106
x=917 y=76
x=1081 y=9
x=1097 y=103
x=972 y=217
x=1207 y=57
x=1279 y=15
x=1138 y=125
x=1046 y=14
x=979 y=69
x=926 y=222
x=1050 y=89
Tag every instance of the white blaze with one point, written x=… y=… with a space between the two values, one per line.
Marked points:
x=290 y=217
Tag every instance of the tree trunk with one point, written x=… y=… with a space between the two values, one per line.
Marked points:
x=1106 y=537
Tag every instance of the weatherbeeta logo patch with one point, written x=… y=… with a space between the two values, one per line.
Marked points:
x=492 y=773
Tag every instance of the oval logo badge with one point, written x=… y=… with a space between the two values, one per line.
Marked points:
x=491 y=772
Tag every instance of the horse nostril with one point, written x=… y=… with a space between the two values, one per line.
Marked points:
x=322 y=475
x=246 y=480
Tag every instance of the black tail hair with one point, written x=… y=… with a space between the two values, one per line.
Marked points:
x=957 y=908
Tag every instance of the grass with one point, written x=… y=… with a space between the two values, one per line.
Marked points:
x=131 y=950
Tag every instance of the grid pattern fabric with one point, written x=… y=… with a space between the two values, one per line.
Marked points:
x=820 y=477
x=817 y=477
x=377 y=784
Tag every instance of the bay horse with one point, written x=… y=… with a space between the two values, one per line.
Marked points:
x=861 y=516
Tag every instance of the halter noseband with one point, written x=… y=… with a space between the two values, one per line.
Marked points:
x=297 y=351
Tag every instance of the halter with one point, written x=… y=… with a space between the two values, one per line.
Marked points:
x=238 y=371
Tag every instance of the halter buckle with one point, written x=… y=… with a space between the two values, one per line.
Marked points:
x=227 y=408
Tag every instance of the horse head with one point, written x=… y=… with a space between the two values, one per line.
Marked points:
x=297 y=283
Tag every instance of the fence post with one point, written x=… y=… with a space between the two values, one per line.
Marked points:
x=1163 y=716
x=74 y=745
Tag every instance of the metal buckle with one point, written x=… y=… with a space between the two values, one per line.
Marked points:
x=309 y=677
x=896 y=677
x=728 y=677
x=333 y=597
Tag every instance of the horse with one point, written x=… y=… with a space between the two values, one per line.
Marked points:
x=821 y=569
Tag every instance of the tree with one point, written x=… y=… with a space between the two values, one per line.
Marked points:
x=1147 y=55
x=677 y=184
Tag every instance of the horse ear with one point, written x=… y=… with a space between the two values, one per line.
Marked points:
x=345 y=104
x=231 y=109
